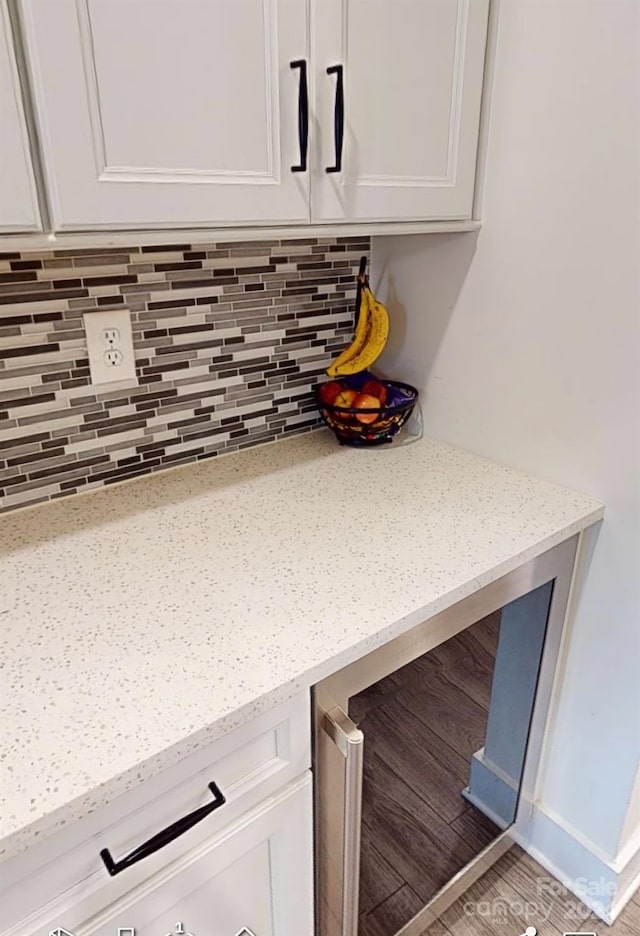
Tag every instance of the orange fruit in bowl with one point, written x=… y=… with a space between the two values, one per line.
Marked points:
x=366 y=401
x=345 y=398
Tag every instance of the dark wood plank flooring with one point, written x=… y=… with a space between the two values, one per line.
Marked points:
x=422 y=724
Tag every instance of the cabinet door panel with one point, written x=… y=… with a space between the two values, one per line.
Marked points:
x=18 y=201
x=413 y=82
x=256 y=873
x=169 y=112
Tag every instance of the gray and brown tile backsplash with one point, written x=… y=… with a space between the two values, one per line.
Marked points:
x=230 y=339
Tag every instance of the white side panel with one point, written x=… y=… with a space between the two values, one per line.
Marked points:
x=18 y=198
x=413 y=74
x=169 y=112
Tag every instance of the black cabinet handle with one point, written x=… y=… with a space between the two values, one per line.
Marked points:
x=163 y=838
x=338 y=116
x=303 y=115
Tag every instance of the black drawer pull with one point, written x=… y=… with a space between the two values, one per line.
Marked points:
x=338 y=116
x=303 y=115
x=163 y=838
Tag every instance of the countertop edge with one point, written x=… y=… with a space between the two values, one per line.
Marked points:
x=106 y=792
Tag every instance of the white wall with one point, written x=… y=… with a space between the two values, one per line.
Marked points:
x=526 y=344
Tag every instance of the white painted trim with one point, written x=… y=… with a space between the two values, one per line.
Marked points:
x=585 y=540
x=629 y=841
x=556 y=872
x=630 y=850
x=481 y=756
x=482 y=807
x=485 y=106
x=22 y=108
x=93 y=239
x=481 y=797
x=628 y=884
x=575 y=866
x=583 y=840
x=602 y=883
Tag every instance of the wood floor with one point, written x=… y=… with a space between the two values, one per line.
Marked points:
x=517 y=893
x=422 y=724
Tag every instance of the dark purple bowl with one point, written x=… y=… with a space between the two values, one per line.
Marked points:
x=349 y=430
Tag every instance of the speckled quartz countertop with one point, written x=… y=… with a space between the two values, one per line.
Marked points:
x=140 y=622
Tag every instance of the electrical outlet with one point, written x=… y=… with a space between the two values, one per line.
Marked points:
x=111 y=336
x=113 y=357
x=110 y=347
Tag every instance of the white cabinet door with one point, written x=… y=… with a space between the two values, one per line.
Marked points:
x=169 y=112
x=255 y=874
x=18 y=200
x=412 y=73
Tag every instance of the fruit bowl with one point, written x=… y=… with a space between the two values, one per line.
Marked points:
x=361 y=423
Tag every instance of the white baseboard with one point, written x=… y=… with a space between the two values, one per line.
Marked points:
x=629 y=876
x=485 y=810
x=630 y=851
x=603 y=884
x=492 y=790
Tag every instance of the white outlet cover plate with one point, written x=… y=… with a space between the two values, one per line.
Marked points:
x=95 y=324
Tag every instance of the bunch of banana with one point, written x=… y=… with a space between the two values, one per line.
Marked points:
x=369 y=339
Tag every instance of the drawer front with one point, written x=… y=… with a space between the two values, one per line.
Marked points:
x=248 y=765
x=254 y=875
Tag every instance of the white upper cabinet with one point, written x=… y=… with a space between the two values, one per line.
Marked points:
x=199 y=113
x=18 y=199
x=411 y=73
x=159 y=113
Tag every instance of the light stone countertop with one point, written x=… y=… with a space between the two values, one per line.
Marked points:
x=141 y=621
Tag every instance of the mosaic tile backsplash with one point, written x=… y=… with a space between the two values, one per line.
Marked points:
x=229 y=338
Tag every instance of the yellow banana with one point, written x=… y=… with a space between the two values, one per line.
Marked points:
x=359 y=338
x=369 y=340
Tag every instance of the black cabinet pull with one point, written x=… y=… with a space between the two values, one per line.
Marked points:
x=303 y=115
x=163 y=838
x=338 y=116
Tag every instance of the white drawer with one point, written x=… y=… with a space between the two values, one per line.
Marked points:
x=248 y=765
x=255 y=874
